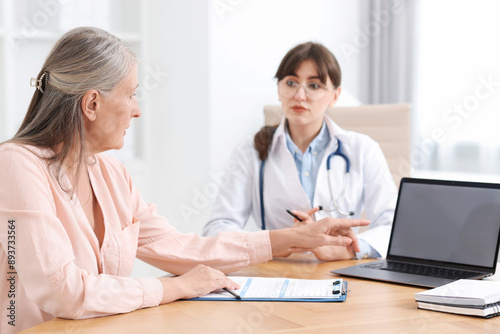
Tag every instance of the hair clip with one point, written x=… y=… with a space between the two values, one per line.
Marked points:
x=38 y=83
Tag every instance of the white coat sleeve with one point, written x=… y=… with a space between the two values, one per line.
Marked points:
x=233 y=205
x=379 y=196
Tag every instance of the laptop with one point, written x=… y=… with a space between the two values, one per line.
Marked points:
x=442 y=231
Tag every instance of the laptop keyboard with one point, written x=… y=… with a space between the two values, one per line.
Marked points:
x=420 y=269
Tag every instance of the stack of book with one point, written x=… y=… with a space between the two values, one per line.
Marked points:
x=468 y=297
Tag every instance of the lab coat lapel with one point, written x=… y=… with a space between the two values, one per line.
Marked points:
x=322 y=195
x=283 y=173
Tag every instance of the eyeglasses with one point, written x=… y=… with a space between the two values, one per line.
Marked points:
x=314 y=90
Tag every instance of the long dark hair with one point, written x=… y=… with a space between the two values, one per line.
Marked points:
x=327 y=67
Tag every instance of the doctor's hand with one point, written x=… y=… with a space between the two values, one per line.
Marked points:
x=306 y=217
x=334 y=253
x=311 y=235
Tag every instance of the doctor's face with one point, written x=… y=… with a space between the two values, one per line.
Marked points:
x=304 y=98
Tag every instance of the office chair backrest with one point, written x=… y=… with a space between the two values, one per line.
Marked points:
x=387 y=124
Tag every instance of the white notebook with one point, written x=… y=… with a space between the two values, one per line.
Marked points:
x=492 y=310
x=463 y=293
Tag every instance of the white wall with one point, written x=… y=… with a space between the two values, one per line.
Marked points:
x=178 y=132
x=207 y=70
x=247 y=44
x=221 y=60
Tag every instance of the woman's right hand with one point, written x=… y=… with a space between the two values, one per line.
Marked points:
x=197 y=282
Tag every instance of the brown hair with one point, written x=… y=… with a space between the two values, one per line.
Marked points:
x=262 y=140
x=325 y=61
x=327 y=67
x=83 y=59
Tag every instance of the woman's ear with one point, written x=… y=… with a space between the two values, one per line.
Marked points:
x=90 y=104
x=335 y=97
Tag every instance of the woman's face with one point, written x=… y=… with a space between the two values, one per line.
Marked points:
x=113 y=115
x=303 y=108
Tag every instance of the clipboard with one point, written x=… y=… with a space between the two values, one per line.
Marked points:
x=283 y=290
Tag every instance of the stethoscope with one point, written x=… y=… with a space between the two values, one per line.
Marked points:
x=337 y=203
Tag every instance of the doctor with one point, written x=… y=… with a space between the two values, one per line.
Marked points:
x=288 y=166
x=71 y=220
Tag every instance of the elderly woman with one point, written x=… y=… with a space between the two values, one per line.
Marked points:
x=72 y=221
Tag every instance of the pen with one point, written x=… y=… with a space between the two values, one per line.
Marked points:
x=294 y=216
x=237 y=296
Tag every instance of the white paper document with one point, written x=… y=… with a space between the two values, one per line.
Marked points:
x=270 y=288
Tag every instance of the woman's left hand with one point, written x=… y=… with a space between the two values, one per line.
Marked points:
x=311 y=235
x=325 y=253
x=306 y=218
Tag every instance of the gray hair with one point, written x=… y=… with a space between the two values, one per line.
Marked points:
x=83 y=59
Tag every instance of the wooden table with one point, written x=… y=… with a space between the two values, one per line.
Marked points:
x=371 y=307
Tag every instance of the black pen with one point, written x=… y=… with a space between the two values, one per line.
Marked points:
x=237 y=296
x=294 y=216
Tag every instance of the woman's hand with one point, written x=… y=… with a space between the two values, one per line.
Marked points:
x=325 y=253
x=306 y=218
x=197 y=282
x=311 y=235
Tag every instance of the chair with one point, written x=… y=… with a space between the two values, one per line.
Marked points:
x=387 y=124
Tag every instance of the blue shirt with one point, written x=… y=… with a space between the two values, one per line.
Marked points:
x=308 y=164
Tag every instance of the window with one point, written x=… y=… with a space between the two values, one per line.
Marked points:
x=458 y=95
x=28 y=29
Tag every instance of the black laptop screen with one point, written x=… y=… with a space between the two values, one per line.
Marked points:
x=454 y=222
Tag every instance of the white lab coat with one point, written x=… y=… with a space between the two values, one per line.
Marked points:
x=371 y=189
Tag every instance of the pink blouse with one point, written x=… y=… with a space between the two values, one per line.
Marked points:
x=51 y=263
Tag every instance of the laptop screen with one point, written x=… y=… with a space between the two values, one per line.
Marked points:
x=447 y=221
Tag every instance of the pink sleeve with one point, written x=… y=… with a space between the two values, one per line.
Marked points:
x=162 y=246
x=45 y=255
